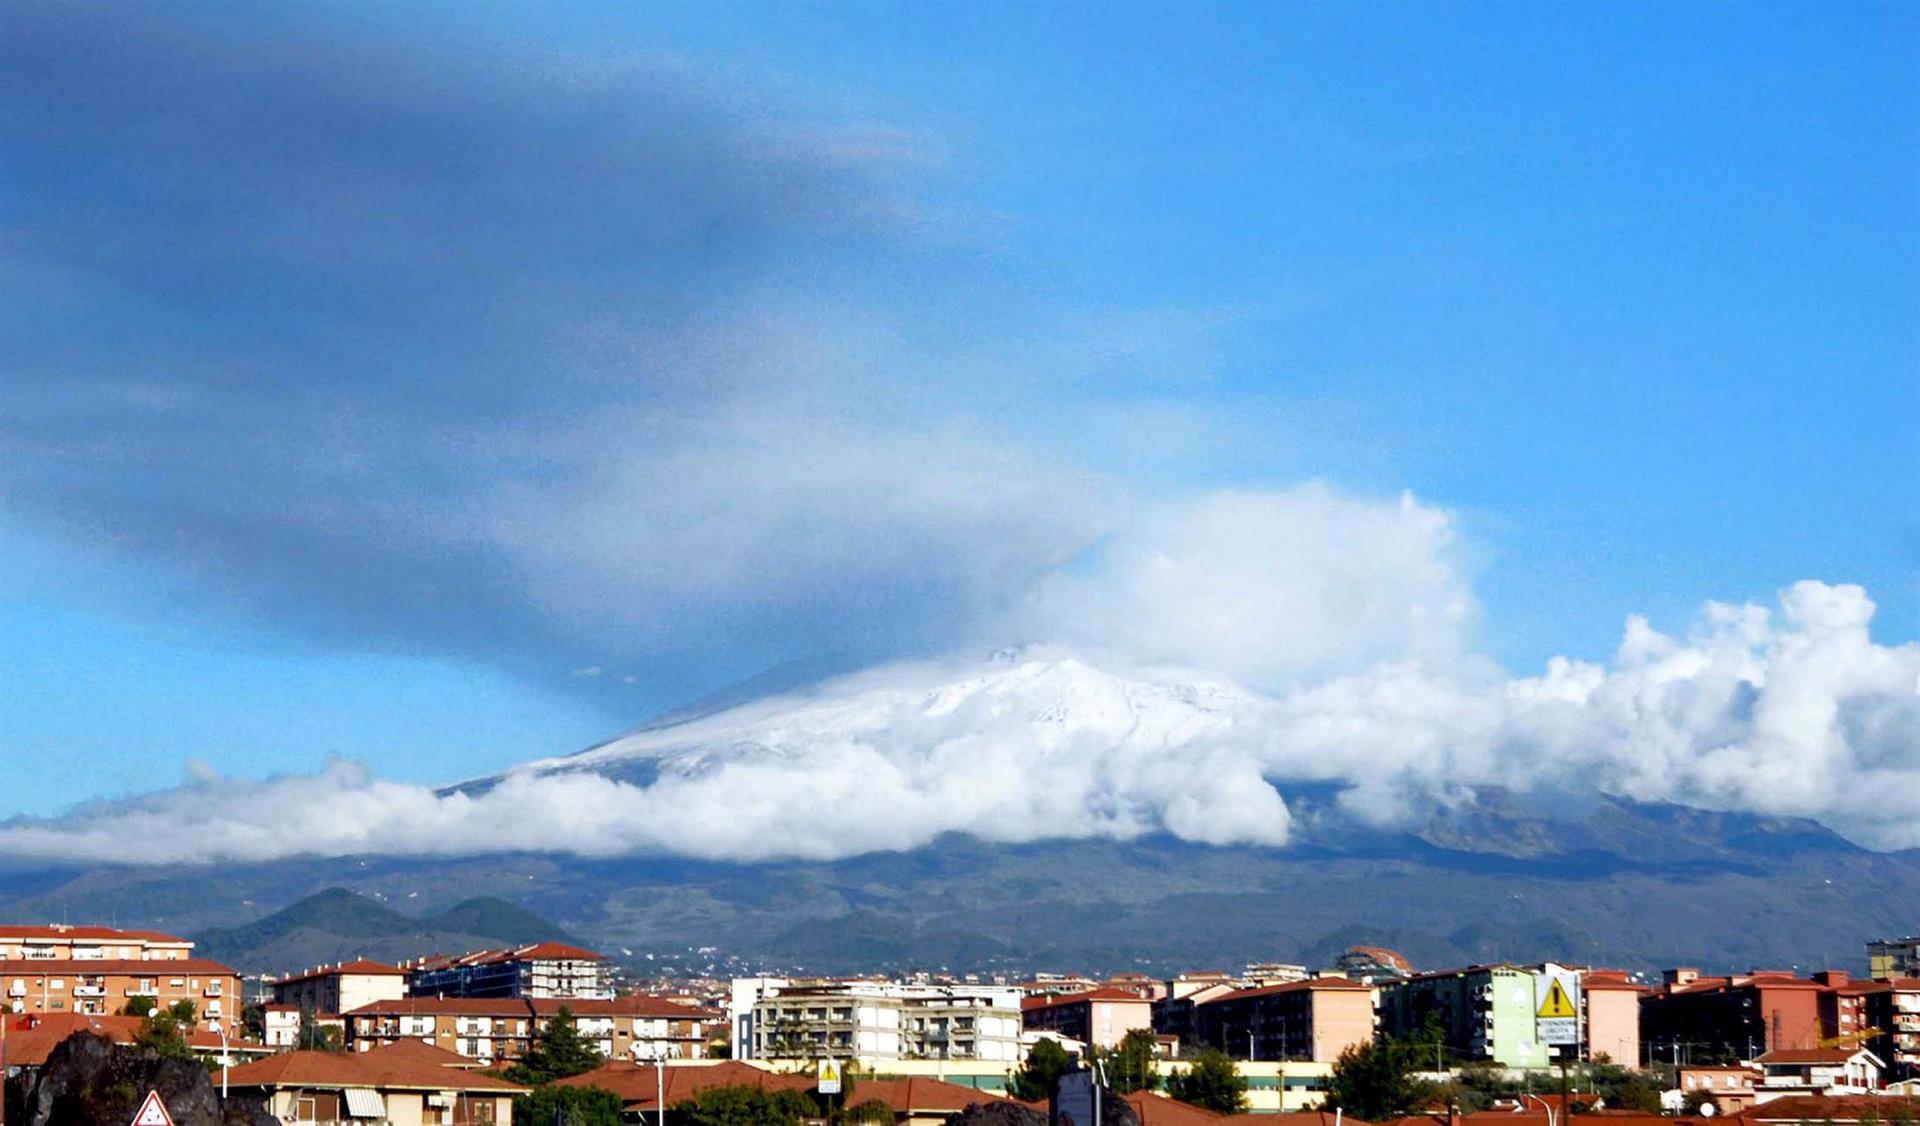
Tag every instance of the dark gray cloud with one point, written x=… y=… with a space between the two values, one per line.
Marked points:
x=483 y=348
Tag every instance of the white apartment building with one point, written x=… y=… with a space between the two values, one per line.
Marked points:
x=874 y=1022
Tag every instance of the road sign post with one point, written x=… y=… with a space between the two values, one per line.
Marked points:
x=1556 y=999
x=153 y=1112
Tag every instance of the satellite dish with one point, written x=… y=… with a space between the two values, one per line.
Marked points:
x=1708 y=1110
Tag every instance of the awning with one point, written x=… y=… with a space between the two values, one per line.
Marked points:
x=362 y=1103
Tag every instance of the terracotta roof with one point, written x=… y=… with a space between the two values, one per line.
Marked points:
x=451 y=1006
x=1304 y=1118
x=919 y=1094
x=87 y=934
x=633 y=1005
x=542 y=951
x=1159 y=1110
x=1808 y=1055
x=1030 y=1003
x=1829 y=1108
x=31 y=1037
x=129 y=967
x=637 y=1085
x=358 y=966
x=395 y=1067
x=1384 y=956
x=1313 y=984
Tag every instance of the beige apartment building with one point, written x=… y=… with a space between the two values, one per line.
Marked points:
x=1313 y=1020
x=1098 y=1017
x=341 y=987
x=490 y=1029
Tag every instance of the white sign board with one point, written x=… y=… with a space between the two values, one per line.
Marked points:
x=1556 y=1006
x=829 y=1077
x=153 y=1112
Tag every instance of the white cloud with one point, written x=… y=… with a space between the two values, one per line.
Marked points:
x=1269 y=586
x=1791 y=711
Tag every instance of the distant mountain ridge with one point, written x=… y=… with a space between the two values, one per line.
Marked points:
x=337 y=924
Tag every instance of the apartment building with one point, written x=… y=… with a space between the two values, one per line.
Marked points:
x=1893 y=1012
x=541 y=969
x=341 y=986
x=1696 y=1019
x=1817 y=1071
x=500 y=1029
x=874 y=1022
x=1610 y=1017
x=1173 y=1010
x=1890 y=958
x=104 y=986
x=1483 y=1012
x=62 y=943
x=1316 y=1019
x=1100 y=1018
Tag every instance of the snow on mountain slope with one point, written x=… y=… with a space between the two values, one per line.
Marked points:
x=1033 y=742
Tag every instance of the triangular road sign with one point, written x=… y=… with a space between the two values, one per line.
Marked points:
x=153 y=1112
x=1557 y=1004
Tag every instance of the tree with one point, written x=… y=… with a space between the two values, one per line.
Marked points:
x=1211 y=1083
x=567 y=1106
x=160 y=1032
x=873 y=1112
x=253 y=1021
x=1130 y=1066
x=557 y=1052
x=746 y=1106
x=316 y=1037
x=1036 y=1080
x=1625 y=1089
x=1375 y=1081
x=138 y=1006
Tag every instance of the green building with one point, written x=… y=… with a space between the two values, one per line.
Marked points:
x=1482 y=1012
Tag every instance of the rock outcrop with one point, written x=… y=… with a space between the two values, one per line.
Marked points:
x=88 y=1081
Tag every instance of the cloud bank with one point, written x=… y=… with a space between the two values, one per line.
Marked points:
x=1790 y=710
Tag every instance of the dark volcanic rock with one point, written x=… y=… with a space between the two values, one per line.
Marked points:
x=1000 y=1114
x=88 y=1081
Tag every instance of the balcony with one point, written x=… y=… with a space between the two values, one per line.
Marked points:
x=89 y=991
x=143 y=991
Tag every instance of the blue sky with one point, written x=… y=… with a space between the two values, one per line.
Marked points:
x=329 y=324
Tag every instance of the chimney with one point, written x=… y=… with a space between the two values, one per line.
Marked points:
x=1680 y=976
x=1831 y=978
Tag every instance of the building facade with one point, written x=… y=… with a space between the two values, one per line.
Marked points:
x=105 y=986
x=1481 y=1012
x=490 y=1030
x=1099 y=1018
x=1893 y=1011
x=541 y=969
x=1316 y=1020
x=874 y=1022
x=62 y=943
x=1890 y=958
x=342 y=986
x=1695 y=1019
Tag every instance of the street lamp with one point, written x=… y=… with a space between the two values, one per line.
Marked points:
x=1544 y=1105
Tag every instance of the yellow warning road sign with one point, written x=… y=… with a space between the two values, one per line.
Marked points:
x=829 y=1077
x=1557 y=1003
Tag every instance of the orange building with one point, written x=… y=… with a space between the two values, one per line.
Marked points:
x=104 y=986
